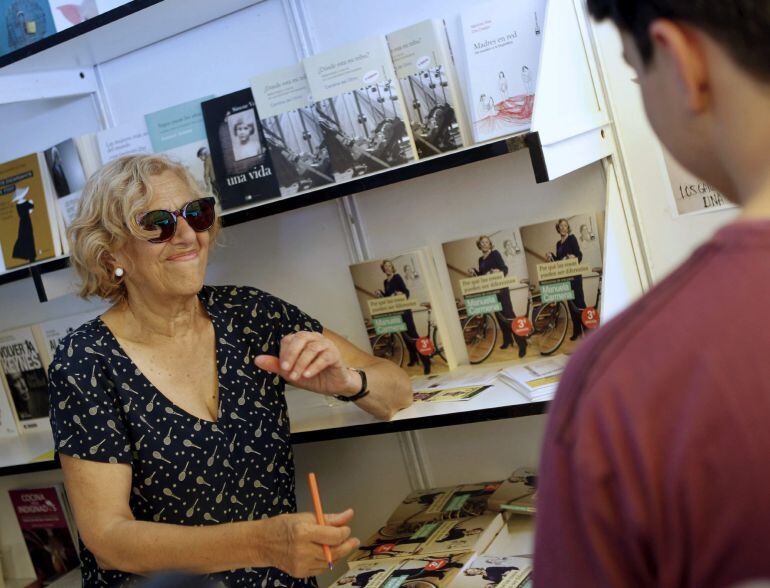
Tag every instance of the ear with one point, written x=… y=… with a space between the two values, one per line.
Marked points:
x=679 y=49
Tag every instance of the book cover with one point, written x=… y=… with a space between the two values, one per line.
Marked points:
x=179 y=133
x=241 y=161
x=23 y=22
x=126 y=139
x=490 y=571
x=501 y=42
x=438 y=504
x=25 y=378
x=423 y=62
x=26 y=231
x=431 y=539
x=437 y=572
x=49 y=334
x=292 y=131
x=516 y=493
x=71 y=12
x=403 y=312
x=46 y=533
x=564 y=262
x=68 y=178
x=490 y=286
x=7 y=421
x=361 y=110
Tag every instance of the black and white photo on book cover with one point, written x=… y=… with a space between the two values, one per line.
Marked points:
x=359 y=107
x=396 y=305
x=291 y=130
x=242 y=165
x=25 y=377
x=66 y=171
x=564 y=261
x=490 y=285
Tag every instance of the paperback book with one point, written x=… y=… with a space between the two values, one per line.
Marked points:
x=502 y=42
x=422 y=58
x=242 y=165
x=491 y=571
x=25 y=378
x=488 y=275
x=432 y=539
x=438 y=572
x=359 y=105
x=400 y=300
x=67 y=13
x=292 y=130
x=517 y=493
x=536 y=380
x=438 y=504
x=46 y=530
x=127 y=139
x=28 y=225
x=48 y=335
x=23 y=22
x=179 y=133
x=68 y=178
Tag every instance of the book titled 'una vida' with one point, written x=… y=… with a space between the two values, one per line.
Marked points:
x=360 y=108
x=292 y=132
x=425 y=68
x=241 y=160
x=501 y=42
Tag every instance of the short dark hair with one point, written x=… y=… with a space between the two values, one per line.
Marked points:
x=741 y=26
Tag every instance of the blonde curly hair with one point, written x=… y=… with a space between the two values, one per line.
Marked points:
x=106 y=219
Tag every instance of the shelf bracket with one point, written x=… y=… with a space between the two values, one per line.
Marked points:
x=34 y=271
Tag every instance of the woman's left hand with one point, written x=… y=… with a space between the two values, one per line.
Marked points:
x=313 y=362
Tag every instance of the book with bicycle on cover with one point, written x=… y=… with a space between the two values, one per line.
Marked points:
x=489 y=280
x=438 y=504
x=439 y=572
x=490 y=571
x=430 y=539
x=404 y=312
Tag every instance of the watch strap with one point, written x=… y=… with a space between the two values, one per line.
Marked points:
x=364 y=391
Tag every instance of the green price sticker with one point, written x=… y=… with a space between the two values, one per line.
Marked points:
x=556 y=292
x=482 y=304
x=425 y=531
x=389 y=323
x=456 y=503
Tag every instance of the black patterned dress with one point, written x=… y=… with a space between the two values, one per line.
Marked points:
x=186 y=470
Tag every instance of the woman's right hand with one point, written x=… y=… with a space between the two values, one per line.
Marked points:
x=294 y=542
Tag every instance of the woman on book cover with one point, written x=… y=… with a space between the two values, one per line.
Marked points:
x=168 y=411
x=60 y=183
x=244 y=128
x=567 y=247
x=394 y=284
x=24 y=248
x=492 y=574
x=489 y=262
x=502 y=84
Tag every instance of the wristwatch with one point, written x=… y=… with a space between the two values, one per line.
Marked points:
x=364 y=391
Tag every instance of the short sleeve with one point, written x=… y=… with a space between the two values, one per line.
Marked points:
x=288 y=319
x=86 y=416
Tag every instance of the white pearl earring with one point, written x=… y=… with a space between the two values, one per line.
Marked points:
x=119 y=272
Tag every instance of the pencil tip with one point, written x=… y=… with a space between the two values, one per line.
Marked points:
x=331 y=566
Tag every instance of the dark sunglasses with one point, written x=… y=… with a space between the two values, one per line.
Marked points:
x=199 y=214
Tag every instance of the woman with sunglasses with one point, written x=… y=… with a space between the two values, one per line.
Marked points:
x=168 y=410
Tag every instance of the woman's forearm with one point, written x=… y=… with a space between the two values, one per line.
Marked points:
x=390 y=390
x=140 y=547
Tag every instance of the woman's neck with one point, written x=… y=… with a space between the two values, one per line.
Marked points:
x=142 y=318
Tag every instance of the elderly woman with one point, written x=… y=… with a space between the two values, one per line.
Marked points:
x=168 y=410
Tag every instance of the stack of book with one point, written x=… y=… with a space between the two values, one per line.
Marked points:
x=536 y=380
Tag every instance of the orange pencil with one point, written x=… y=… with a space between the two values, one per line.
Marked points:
x=319 y=512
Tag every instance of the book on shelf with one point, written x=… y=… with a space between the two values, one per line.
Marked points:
x=24 y=23
x=241 y=160
x=107 y=5
x=400 y=300
x=490 y=571
x=292 y=130
x=8 y=428
x=360 y=108
x=501 y=42
x=489 y=279
x=517 y=493
x=536 y=380
x=438 y=504
x=68 y=178
x=25 y=377
x=179 y=133
x=431 y=539
x=67 y=13
x=47 y=530
x=49 y=334
x=437 y=572
x=425 y=68
x=28 y=223
x=127 y=139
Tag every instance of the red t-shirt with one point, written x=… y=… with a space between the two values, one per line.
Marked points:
x=656 y=464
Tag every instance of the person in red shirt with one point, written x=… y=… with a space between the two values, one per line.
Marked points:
x=656 y=462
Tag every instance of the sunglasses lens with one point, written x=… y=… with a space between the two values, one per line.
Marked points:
x=160 y=223
x=200 y=214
